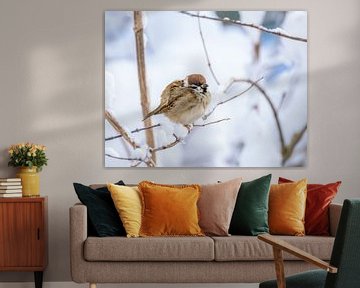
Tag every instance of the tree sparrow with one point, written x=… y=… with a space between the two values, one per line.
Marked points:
x=184 y=101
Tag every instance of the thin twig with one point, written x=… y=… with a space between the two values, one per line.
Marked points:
x=133 y=131
x=124 y=158
x=253 y=83
x=140 y=57
x=231 y=98
x=139 y=161
x=251 y=25
x=178 y=139
x=283 y=96
x=171 y=144
x=159 y=125
x=116 y=125
x=167 y=146
x=136 y=164
x=206 y=53
x=211 y=123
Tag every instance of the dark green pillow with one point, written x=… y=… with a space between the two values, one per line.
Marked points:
x=103 y=218
x=250 y=216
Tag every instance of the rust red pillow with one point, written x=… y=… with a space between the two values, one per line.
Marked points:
x=319 y=197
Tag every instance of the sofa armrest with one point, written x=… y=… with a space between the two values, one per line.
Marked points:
x=284 y=246
x=78 y=235
x=334 y=217
x=279 y=246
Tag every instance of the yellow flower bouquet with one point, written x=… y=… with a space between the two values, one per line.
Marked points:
x=27 y=155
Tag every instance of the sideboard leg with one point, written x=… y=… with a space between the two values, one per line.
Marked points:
x=38 y=279
x=92 y=285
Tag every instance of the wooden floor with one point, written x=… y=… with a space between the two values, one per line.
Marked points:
x=74 y=285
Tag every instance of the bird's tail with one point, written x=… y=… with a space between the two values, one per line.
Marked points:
x=152 y=113
x=148 y=115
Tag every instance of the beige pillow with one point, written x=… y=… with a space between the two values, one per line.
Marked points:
x=216 y=205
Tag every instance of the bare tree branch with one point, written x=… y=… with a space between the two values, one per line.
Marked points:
x=233 y=97
x=206 y=53
x=116 y=125
x=211 y=123
x=272 y=107
x=138 y=160
x=171 y=144
x=286 y=150
x=124 y=158
x=251 y=25
x=159 y=125
x=133 y=131
x=140 y=57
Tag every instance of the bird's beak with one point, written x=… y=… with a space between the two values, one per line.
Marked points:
x=204 y=86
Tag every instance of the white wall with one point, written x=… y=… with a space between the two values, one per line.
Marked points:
x=51 y=87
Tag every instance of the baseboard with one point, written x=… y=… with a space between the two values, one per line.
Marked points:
x=74 y=285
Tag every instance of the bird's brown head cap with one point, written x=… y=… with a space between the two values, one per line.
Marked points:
x=196 y=79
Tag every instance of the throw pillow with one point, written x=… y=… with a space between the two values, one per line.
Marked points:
x=319 y=197
x=250 y=215
x=102 y=214
x=216 y=206
x=169 y=210
x=127 y=201
x=287 y=208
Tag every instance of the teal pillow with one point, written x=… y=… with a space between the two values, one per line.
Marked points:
x=250 y=216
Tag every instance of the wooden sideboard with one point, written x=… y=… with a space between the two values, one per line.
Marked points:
x=23 y=235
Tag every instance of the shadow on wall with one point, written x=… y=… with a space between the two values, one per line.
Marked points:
x=54 y=65
x=54 y=71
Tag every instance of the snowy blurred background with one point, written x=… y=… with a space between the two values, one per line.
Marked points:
x=174 y=49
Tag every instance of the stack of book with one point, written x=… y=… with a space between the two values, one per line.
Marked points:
x=10 y=187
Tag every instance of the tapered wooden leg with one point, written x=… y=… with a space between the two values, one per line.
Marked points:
x=279 y=267
x=92 y=285
x=38 y=275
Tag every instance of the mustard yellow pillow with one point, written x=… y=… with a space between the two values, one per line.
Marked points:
x=287 y=204
x=127 y=201
x=169 y=210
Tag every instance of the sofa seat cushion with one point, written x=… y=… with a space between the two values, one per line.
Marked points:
x=244 y=248
x=149 y=249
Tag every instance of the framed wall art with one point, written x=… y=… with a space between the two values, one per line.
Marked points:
x=205 y=88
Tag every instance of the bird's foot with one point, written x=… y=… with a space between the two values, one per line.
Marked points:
x=189 y=127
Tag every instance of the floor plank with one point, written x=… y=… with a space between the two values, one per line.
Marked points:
x=74 y=285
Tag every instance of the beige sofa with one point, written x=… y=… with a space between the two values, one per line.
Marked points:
x=234 y=259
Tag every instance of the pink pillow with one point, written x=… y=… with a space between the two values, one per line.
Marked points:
x=216 y=205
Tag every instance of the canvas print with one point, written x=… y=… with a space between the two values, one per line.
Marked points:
x=205 y=88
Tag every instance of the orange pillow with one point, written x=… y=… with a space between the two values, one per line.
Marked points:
x=169 y=210
x=287 y=204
